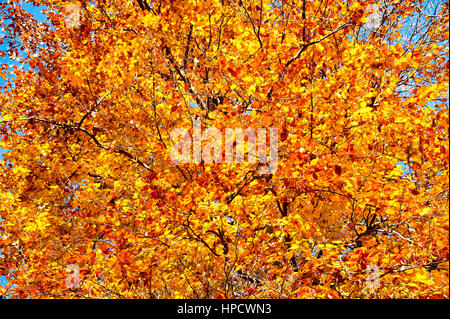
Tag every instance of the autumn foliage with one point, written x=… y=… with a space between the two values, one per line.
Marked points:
x=358 y=207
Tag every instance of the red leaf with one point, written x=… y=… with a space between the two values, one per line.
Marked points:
x=337 y=170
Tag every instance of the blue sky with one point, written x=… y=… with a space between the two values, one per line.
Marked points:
x=37 y=13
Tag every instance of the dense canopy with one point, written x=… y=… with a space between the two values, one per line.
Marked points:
x=93 y=206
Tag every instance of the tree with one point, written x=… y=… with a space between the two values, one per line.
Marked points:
x=357 y=207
